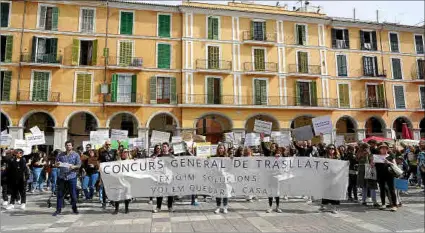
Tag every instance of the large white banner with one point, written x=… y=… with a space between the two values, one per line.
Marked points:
x=225 y=177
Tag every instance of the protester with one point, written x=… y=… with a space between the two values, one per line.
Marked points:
x=221 y=153
x=68 y=163
x=54 y=170
x=421 y=161
x=332 y=153
x=278 y=153
x=385 y=177
x=6 y=157
x=18 y=174
x=352 y=177
x=91 y=168
x=170 y=199
x=373 y=147
x=364 y=158
x=125 y=155
x=106 y=154
x=37 y=164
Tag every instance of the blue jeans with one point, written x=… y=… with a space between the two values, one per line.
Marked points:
x=101 y=193
x=372 y=192
x=64 y=187
x=38 y=178
x=88 y=183
x=53 y=178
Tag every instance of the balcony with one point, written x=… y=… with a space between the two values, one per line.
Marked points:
x=309 y=70
x=213 y=66
x=373 y=103
x=260 y=68
x=38 y=97
x=340 y=44
x=124 y=63
x=373 y=75
x=51 y=60
x=259 y=38
x=131 y=99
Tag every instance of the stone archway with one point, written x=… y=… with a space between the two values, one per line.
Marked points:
x=347 y=127
x=375 y=126
x=124 y=121
x=79 y=125
x=302 y=120
x=45 y=123
x=5 y=122
x=249 y=123
x=398 y=126
x=163 y=121
x=212 y=126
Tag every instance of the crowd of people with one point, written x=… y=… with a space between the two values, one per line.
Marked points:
x=74 y=173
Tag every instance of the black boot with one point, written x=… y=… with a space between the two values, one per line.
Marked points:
x=116 y=208
x=126 y=206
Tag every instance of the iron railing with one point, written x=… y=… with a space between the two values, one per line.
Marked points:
x=339 y=44
x=374 y=73
x=304 y=69
x=373 y=103
x=205 y=64
x=265 y=37
x=260 y=67
x=130 y=98
x=39 y=96
x=124 y=61
x=41 y=58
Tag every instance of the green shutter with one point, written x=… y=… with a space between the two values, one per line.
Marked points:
x=75 y=51
x=302 y=62
x=133 y=88
x=257 y=88
x=252 y=31
x=259 y=60
x=344 y=97
x=55 y=18
x=173 y=90
x=342 y=65
x=220 y=94
x=399 y=97
x=381 y=94
x=4 y=14
x=33 y=50
x=213 y=57
x=87 y=88
x=164 y=51
x=152 y=90
x=52 y=57
x=126 y=24
x=210 y=90
x=126 y=52
x=164 y=25
x=210 y=28
x=397 y=74
x=40 y=86
x=114 y=88
x=94 y=54
x=215 y=29
x=106 y=52
x=6 y=86
x=303 y=34
x=80 y=88
x=263 y=90
x=314 y=93
x=297 y=93
x=9 y=49
x=265 y=31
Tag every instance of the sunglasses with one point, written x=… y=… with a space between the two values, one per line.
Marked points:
x=108 y=144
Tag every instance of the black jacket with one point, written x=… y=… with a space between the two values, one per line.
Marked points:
x=107 y=156
x=18 y=170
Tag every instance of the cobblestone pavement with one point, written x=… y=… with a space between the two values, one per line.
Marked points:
x=297 y=216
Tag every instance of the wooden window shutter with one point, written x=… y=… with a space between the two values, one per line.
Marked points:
x=87 y=88
x=210 y=90
x=53 y=50
x=399 y=97
x=333 y=36
x=215 y=29
x=362 y=40
x=80 y=88
x=397 y=74
x=419 y=44
x=164 y=51
x=33 y=48
x=344 y=97
x=213 y=57
x=259 y=60
x=164 y=25
x=75 y=51
x=126 y=51
x=152 y=90
x=42 y=17
x=134 y=88
x=303 y=35
x=6 y=86
x=9 y=49
x=342 y=65
x=347 y=38
x=374 y=41
x=375 y=66
x=252 y=30
x=314 y=93
x=210 y=28
x=4 y=14
x=263 y=92
x=114 y=88
x=55 y=18
x=422 y=96
x=126 y=24
x=40 y=86
x=257 y=89
x=302 y=62
x=173 y=90
x=421 y=68
x=394 y=42
x=381 y=93
x=94 y=53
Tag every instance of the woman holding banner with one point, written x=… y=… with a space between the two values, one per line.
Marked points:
x=125 y=154
x=331 y=153
x=170 y=199
x=221 y=153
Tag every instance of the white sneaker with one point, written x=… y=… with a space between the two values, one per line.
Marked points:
x=23 y=206
x=156 y=210
x=5 y=203
x=18 y=202
x=269 y=210
x=217 y=211
x=335 y=211
x=150 y=202
x=369 y=199
x=225 y=210
x=285 y=198
x=10 y=207
x=278 y=210
x=322 y=208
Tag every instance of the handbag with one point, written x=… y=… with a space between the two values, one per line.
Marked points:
x=370 y=172
x=395 y=170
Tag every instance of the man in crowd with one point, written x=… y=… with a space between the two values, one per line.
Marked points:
x=106 y=154
x=68 y=163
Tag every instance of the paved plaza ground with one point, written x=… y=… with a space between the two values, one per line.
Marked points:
x=297 y=216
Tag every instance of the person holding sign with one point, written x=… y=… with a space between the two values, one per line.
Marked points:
x=106 y=154
x=221 y=153
x=125 y=155
x=331 y=153
x=366 y=177
x=68 y=162
x=170 y=199
x=18 y=173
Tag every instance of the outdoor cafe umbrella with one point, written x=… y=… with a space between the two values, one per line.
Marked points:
x=405 y=132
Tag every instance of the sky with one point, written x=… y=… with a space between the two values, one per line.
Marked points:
x=403 y=12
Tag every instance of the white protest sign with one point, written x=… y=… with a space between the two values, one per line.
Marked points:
x=252 y=139
x=214 y=149
x=263 y=177
x=4 y=132
x=203 y=149
x=33 y=140
x=238 y=138
x=175 y=139
x=178 y=148
x=263 y=127
x=327 y=139
x=138 y=142
x=5 y=140
x=117 y=134
x=99 y=137
x=322 y=125
x=266 y=139
x=160 y=137
x=35 y=130
x=23 y=145
x=229 y=137
x=379 y=159
x=303 y=133
x=282 y=140
x=339 y=140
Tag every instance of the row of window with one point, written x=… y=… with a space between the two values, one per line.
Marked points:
x=48 y=20
x=123 y=89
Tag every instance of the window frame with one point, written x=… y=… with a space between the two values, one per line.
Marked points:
x=171 y=55
x=253 y=90
x=163 y=76
x=376 y=90
x=79 y=49
x=119 y=49
x=74 y=99
x=392 y=68
x=207 y=28
x=206 y=85
x=423 y=43
x=420 y=97
x=171 y=24
x=10 y=13
x=49 y=84
x=219 y=54
x=404 y=96
x=119 y=22
x=375 y=69
x=349 y=92
x=309 y=89
x=94 y=19
x=336 y=64
x=398 y=41
x=38 y=15
x=308 y=59
x=253 y=58
x=417 y=68
x=306 y=34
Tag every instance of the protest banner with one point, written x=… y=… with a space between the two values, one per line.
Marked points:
x=378 y=159
x=5 y=140
x=117 y=134
x=23 y=145
x=263 y=127
x=223 y=177
x=35 y=130
x=339 y=140
x=99 y=137
x=303 y=133
x=34 y=140
x=179 y=148
x=252 y=139
x=176 y=139
x=322 y=125
x=159 y=137
x=203 y=149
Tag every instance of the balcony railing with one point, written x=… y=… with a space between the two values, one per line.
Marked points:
x=373 y=73
x=373 y=103
x=260 y=67
x=130 y=98
x=124 y=61
x=309 y=69
x=39 y=96
x=340 y=44
x=265 y=37
x=41 y=58
x=219 y=65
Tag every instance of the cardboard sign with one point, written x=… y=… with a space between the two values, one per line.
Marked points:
x=252 y=139
x=23 y=145
x=214 y=149
x=187 y=136
x=34 y=140
x=339 y=140
x=115 y=144
x=99 y=137
x=136 y=142
x=327 y=139
x=35 y=130
x=5 y=140
x=203 y=149
x=117 y=134
x=160 y=137
x=378 y=159
x=322 y=125
x=176 y=139
x=4 y=132
x=229 y=137
x=178 y=148
x=263 y=127
x=303 y=133
x=283 y=140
